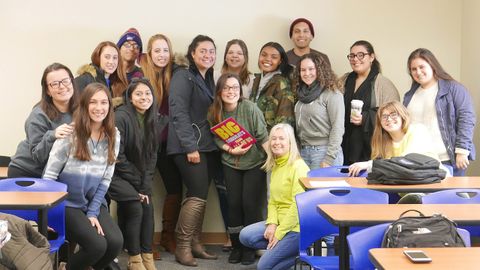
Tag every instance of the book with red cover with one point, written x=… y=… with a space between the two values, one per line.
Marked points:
x=233 y=133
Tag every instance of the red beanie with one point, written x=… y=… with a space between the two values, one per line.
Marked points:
x=310 y=25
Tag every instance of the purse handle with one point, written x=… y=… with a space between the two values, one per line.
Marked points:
x=412 y=210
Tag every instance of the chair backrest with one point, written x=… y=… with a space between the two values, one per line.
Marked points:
x=313 y=226
x=454 y=196
x=4 y=161
x=362 y=241
x=333 y=171
x=56 y=215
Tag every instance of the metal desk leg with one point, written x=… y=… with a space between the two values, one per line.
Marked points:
x=43 y=221
x=344 y=256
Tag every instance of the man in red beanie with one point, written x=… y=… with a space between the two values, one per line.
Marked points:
x=302 y=33
x=130 y=45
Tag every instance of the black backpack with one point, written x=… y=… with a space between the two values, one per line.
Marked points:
x=412 y=169
x=422 y=231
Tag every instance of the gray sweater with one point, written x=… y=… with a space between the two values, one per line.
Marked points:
x=32 y=153
x=321 y=122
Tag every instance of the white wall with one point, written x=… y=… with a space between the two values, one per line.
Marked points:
x=37 y=33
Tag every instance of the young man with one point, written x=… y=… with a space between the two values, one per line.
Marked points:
x=302 y=33
x=130 y=45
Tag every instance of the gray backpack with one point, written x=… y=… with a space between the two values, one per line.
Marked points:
x=422 y=231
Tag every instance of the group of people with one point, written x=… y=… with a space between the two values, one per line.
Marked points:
x=103 y=134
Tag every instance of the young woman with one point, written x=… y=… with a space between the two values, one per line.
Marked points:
x=49 y=120
x=365 y=83
x=245 y=180
x=444 y=106
x=85 y=162
x=235 y=60
x=191 y=144
x=271 y=89
x=131 y=185
x=394 y=136
x=106 y=70
x=158 y=66
x=279 y=234
x=319 y=113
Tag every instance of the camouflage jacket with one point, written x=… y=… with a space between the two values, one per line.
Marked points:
x=276 y=100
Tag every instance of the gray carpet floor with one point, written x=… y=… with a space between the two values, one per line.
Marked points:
x=168 y=262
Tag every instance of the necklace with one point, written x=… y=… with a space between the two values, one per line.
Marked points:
x=95 y=145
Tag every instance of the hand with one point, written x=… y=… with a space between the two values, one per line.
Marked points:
x=95 y=223
x=324 y=164
x=239 y=151
x=272 y=243
x=144 y=198
x=269 y=233
x=357 y=167
x=461 y=161
x=63 y=131
x=193 y=157
x=356 y=119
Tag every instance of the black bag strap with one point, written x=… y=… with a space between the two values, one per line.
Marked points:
x=412 y=210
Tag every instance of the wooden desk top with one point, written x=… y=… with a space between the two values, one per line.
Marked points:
x=3 y=172
x=442 y=258
x=14 y=200
x=371 y=214
x=361 y=182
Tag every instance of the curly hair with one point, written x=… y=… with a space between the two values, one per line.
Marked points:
x=326 y=77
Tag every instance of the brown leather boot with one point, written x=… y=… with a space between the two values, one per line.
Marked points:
x=187 y=220
x=148 y=262
x=135 y=263
x=171 y=209
x=198 y=250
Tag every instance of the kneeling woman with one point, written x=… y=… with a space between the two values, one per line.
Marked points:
x=85 y=162
x=279 y=234
x=132 y=181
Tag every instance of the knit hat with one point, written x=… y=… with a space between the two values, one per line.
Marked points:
x=131 y=34
x=310 y=25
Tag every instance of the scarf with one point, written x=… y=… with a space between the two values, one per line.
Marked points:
x=307 y=94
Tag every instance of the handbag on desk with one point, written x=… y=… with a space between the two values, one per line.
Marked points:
x=411 y=169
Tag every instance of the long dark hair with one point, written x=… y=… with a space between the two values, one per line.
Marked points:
x=83 y=131
x=194 y=44
x=216 y=109
x=284 y=67
x=46 y=102
x=150 y=118
x=368 y=46
x=427 y=55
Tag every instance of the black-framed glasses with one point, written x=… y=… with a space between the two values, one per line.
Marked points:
x=56 y=84
x=131 y=46
x=359 y=55
x=391 y=116
x=235 y=88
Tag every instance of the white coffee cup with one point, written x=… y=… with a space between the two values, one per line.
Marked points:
x=356 y=106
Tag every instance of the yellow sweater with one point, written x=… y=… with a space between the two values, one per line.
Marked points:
x=284 y=185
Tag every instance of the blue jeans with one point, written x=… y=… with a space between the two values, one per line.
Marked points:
x=282 y=256
x=313 y=155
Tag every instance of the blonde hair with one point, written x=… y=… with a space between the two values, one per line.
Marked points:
x=293 y=149
x=382 y=143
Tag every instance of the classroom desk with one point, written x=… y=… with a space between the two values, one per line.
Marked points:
x=40 y=201
x=347 y=215
x=361 y=182
x=442 y=258
x=3 y=172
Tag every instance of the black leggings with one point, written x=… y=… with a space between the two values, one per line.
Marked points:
x=169 y=172
x=138 y=225
x=246 y=193
x=95 y=250
x=196 y=177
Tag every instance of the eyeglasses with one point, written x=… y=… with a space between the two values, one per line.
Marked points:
x=359 y=55
x=56 y=84
x=391 y=116
x=227 y=88
x=131 y=46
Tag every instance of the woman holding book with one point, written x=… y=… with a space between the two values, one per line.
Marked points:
x=245 y=180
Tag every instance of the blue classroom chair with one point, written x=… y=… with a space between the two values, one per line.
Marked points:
x=333 y=171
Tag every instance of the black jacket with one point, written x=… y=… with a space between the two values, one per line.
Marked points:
x=190 y=97
x=135 y=167
x=89 y=74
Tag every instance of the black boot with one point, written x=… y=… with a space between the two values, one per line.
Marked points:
x=236 y=252
x=248 y=256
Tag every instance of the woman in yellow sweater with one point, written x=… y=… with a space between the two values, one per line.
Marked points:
x=279 y=233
